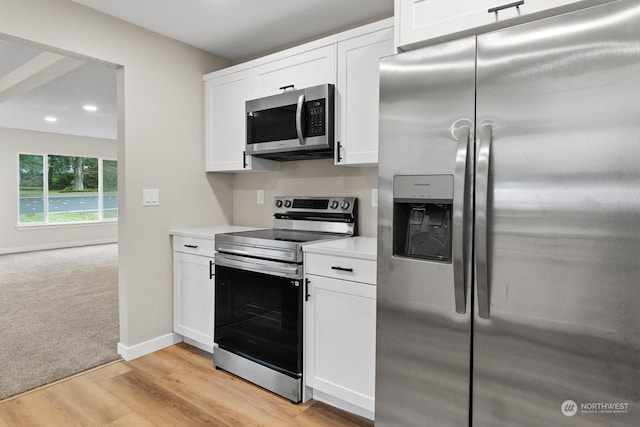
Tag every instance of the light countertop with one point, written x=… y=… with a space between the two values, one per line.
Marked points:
x=353 y=247
x=210 y=232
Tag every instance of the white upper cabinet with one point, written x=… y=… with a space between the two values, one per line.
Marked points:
x=357 y=96
x=311 y=68
x=354 y=54
x=225 y=127
x=421 y=20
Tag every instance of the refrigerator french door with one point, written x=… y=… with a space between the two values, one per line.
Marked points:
x=509 y=227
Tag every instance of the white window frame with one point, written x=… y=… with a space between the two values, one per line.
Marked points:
x=45 y=194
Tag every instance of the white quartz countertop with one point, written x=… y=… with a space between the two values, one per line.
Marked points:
x=353 y=247
x=210 y=232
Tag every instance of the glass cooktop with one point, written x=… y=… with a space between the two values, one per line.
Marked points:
x=294 y=236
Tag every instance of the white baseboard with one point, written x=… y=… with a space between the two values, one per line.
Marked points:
x=4 y=251
x=196 y=344
x=341 y=404
x=147 y=347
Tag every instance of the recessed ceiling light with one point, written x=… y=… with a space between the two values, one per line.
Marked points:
x=90 y=107
x=50 y=119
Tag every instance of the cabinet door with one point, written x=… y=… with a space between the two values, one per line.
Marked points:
x=310 y=68
x=225 y=126
x=193 y=296
x=418 y=20
x=340 y=327
x=358 y=96
x=538 y=6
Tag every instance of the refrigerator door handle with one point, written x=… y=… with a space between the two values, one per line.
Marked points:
x=461 y=205
x=482 y=194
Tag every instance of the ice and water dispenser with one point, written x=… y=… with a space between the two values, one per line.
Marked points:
x=422 y=215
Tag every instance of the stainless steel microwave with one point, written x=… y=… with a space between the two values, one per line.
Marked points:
x=293 y=125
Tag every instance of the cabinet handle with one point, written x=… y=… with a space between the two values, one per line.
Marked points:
x=350 y=270
x=283 y=88
x=191 y=246
x=244 y=160
x=506 y=6
x=211 y=273
x=339 y=152
x=306 y=289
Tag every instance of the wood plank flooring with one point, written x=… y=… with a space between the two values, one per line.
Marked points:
x=177 y=386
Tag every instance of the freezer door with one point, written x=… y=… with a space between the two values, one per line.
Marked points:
x=425 y=173
x=557 y=325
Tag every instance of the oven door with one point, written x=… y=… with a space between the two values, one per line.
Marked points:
x=258 y=314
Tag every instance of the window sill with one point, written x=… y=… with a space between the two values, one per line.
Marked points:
x=39 y=225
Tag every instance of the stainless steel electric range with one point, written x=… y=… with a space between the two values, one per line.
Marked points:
x=259 y=292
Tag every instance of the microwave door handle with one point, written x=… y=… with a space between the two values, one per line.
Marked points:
x=299 y=119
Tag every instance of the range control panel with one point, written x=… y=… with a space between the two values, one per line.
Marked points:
x=283 y=204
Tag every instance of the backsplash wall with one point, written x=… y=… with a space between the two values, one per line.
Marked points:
x=305 y=178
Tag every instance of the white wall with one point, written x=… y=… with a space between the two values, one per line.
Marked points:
x=12 y=143
x=305 y=178
x=160 y=145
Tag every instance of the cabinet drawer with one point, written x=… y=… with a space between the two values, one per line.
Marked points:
x=354 y=269
x=193 y=245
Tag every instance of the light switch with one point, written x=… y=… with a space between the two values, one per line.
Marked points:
x=150 y=197
x=260 y=197
x=374 y=197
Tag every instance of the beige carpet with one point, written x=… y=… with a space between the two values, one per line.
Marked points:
x=58 y=314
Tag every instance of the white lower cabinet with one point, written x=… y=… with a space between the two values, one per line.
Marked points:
x=193 y=291
x=340 y=333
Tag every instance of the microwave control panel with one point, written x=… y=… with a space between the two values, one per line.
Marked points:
x=315 y=117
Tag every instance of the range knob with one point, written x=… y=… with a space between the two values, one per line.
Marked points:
x=334 y=204
x=278 y=203
x=287 y=204
x=345 y=205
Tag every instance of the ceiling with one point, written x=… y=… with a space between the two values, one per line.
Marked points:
x=35 y=84
x=237 y=29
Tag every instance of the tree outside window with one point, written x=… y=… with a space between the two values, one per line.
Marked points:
x=76 y=189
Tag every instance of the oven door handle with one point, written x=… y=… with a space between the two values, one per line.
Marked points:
x=236 y=251
x=271 y=268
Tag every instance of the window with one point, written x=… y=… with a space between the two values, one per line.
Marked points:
x=58 y=189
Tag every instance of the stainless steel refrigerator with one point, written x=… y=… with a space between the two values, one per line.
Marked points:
x=509 y=227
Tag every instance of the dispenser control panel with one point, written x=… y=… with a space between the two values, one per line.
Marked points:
x=422 y=217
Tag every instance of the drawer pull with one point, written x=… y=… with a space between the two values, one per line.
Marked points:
x=191 y=246
x=506 y=6
x=350 y=270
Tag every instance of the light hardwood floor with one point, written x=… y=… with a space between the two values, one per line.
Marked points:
x=177 y=386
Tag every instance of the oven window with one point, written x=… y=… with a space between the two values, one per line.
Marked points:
x=273 y=124
x=259 y=316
